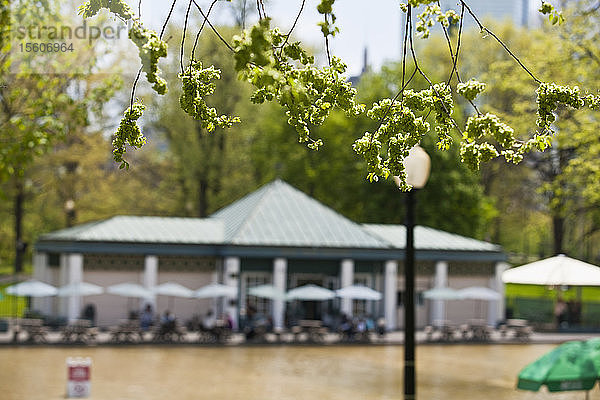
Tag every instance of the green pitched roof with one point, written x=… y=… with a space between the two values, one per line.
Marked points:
x=280 y=215
x=144 y=230
x=275 y=216
x=430 y=239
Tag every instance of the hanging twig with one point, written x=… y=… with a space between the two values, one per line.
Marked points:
x=260 y=15
x=414 y=57
x=187 y=14
x=452 y=56
x=406 y=27
x=135 y=82
x=201 y=28
x=212 y=27
x=455 y=57
x=484 y=29
x=244 y=15
x=404 y=84
x=287 y=37
x=137 y=78
x=162 y=31
x=327 y=42
x=262 y=4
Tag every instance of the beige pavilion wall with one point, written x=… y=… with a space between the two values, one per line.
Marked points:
x=110 y=309
x=460 y=275
x=184 y=308
x=193 y=273
x=107 y=270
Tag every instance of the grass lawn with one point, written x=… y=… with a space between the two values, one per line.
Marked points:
x=588 y=293
x=11 y=304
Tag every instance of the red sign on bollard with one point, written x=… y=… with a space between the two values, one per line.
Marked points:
x=78 y=384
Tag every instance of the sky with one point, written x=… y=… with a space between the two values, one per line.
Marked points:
x=374 y=25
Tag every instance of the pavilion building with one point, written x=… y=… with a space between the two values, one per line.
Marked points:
x=276 y=235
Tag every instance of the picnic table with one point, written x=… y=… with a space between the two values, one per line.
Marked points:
x=220 y=333
x=34 y=329
x=79 y=331
x=128 y=331
x=313 y=330
x=519 y=328
x=441 y=330
x=478 y=330
x=169 y=332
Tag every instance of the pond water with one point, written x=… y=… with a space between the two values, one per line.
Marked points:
x=279 y=373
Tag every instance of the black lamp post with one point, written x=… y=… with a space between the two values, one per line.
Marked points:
x=417 y=166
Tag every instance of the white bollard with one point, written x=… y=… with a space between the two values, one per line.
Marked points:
x=78 y=371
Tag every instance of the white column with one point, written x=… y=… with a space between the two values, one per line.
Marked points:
x=63 y=279
x=74 y=275
x=150 y=277
x=214 y=302
x=438 y=311
x=231 y=269
x=346 y=279
x=390 y=294
x=279 y=281
x=496 y=309
x=41 y=273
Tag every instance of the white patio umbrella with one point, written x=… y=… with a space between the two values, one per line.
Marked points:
x=554 y=271
x=130 y=290
x=172 y=289
x=310 y=292
x=267 y=292
x=442 y=293
x=79 y=289
x=215 y=290
x=31 y=288
x=358 y=292
x=479 y=293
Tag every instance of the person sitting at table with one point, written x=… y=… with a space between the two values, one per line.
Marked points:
x=381 y=327
x=89 y=313
x=250 y=324
x=346 y=328
x=147 y=318
x=209 y=322
x=167 y=322
x=228 y=321
x=361 y=325
x=370 y=323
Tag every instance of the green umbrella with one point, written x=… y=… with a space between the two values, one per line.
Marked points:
x=573 y=365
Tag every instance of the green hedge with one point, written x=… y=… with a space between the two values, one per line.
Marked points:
x=11 y=305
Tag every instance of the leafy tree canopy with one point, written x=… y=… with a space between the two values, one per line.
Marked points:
x=282 y=71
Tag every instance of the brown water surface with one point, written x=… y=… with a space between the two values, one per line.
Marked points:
x=454 y=372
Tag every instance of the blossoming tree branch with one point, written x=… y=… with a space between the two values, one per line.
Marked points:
x=282 y=71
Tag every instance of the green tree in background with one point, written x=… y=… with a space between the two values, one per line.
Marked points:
x=42 y=100
x=452 y=200
x=210 y=168
x=283 y=72
x=548 y=191
x=55 y=163
x=197 y=166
